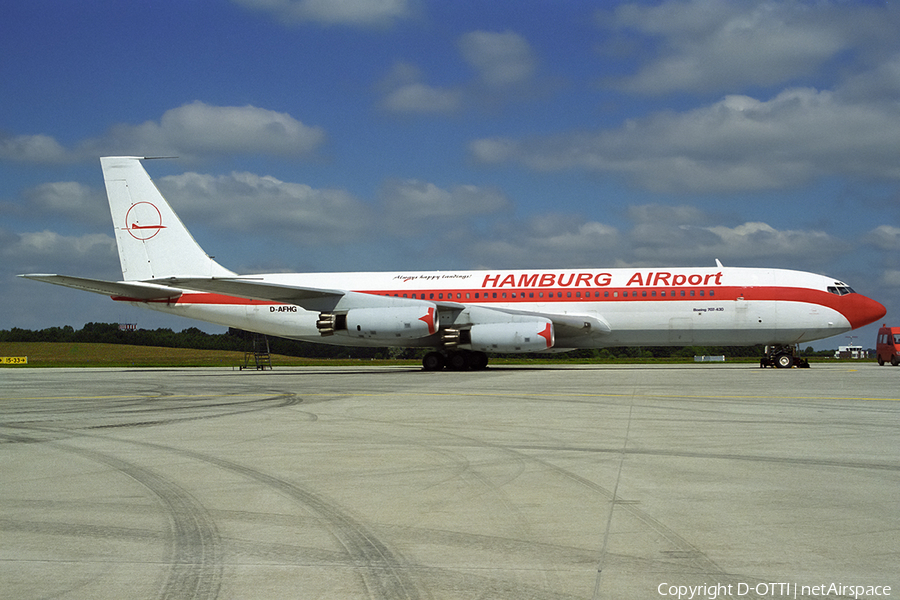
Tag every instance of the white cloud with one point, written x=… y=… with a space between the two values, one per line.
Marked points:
x=891 y=278
x=51 y=243
x=199 y=129
x=33 y=148
x=501 y=59
x=737 y=144
x=653 y=235
x=884 y=237
x=354 y=13
x=71 y=199
x=548 y=240
x=49 y=252
x=422 y=98
x=191 y=131
x=504 y=63
x=416 y=203
x=264 y=205
x=757 y=240
x=881 y=83
x=712 y=45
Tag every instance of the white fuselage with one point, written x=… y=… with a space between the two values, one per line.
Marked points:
x=642 y=307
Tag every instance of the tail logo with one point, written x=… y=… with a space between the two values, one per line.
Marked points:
x=143 y=221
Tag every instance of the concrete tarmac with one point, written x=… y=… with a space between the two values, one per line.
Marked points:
x=617 y=482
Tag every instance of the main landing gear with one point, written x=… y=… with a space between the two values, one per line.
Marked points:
x=456 y=360
x=783 y=357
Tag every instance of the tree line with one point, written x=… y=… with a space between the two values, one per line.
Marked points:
x=243 y=341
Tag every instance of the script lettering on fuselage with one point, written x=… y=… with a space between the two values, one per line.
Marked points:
x=603 y=279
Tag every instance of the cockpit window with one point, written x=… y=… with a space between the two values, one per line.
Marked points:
x=840 y=290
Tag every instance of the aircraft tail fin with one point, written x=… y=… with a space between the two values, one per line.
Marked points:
x=153 y=242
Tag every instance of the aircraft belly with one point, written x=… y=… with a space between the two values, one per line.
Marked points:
x=732 y=323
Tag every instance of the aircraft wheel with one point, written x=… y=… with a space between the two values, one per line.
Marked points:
x=478 y=360
x=458 y=361
x=784 y=361
x=433 y=361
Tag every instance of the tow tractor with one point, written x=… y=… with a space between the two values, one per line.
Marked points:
x=783 y=357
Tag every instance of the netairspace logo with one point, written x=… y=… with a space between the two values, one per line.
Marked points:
x=772 y=590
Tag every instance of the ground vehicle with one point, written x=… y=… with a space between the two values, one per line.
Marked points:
x=783 y=357
x=887 y=347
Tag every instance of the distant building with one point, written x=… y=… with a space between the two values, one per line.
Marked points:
x=127 y=326
x=851 y=352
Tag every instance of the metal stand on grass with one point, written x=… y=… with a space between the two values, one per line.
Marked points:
x=261 y=360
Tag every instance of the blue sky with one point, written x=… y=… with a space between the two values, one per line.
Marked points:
x=321 y=135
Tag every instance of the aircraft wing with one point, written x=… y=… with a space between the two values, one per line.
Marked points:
x=256 y=289
x=116 y=289
x=309 y=298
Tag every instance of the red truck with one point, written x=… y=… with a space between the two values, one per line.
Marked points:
x=887 y=348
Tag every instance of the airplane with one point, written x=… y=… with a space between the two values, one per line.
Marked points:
x=461 y=316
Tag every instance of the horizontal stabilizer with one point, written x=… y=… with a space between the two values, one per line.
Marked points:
x=116 y=289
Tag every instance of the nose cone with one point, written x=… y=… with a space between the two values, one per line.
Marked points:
x=861 y=311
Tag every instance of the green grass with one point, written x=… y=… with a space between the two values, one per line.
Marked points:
x=50 y=354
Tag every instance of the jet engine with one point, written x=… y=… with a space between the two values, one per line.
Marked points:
x=528 y=336
x=386 y=323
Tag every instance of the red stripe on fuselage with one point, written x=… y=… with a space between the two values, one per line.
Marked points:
x=594 y=295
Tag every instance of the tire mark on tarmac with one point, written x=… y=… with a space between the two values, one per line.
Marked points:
x=143 y=417
x=196 y=557
x=195 y=547
x=385 y=574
